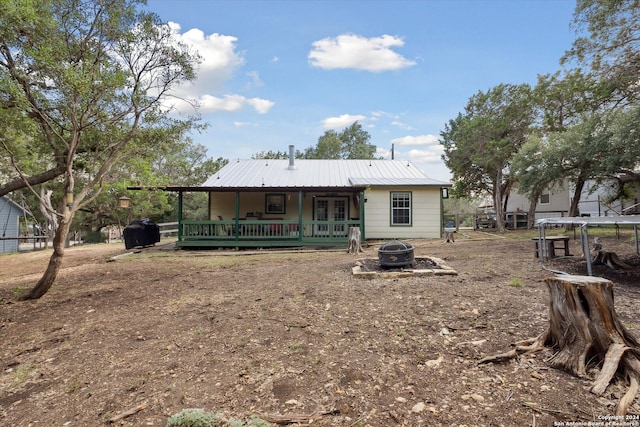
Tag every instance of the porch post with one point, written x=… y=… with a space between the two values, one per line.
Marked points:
x=179 y=215
x=299 y=215
x=237 y=225
x=362 y=234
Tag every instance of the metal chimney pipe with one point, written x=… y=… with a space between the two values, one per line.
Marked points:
x=292 y=155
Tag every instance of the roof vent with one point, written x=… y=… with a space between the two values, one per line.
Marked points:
x=292 y=155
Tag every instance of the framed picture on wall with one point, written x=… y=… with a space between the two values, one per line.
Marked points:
x=274 y=204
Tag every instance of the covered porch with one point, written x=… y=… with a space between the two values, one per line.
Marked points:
x=273 y=217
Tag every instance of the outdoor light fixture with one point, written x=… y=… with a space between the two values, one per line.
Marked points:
x=124 y=202
x=445 y=192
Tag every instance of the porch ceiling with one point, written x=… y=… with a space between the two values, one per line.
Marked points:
x=265 y=189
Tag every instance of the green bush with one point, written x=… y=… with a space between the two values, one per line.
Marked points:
x=94 y=237
x=193 y=417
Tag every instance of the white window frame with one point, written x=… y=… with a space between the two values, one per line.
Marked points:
x=407 y=196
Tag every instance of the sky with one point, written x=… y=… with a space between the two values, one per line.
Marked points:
x=278 y=73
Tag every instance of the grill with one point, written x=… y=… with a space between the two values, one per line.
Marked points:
x=142 y=233
x=396 y=254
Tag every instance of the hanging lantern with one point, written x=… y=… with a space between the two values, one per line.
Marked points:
x=68 y=198
x=124 y=202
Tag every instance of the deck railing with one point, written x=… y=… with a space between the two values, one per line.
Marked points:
x=264 y=232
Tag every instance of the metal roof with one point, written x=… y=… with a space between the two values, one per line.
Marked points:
x=269 y=173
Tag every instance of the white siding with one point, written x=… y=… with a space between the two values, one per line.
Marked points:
x=558 y=203
x=425 y=211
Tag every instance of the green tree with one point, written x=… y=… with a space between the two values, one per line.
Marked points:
x=329 y=146
x=598 y=148
x=537 y=168
x=563 y=97
x=351 y=143
x=270 y=154
x=479 y=145
x=91 y=78
x=611 y=46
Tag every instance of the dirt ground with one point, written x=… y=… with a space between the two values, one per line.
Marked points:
x=262 y=333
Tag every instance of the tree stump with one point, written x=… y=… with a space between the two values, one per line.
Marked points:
x=354 y=241
x=584 y=331
x=448 y=235
x=610 y=259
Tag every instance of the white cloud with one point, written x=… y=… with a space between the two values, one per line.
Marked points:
x=353 y=51
x=219 y=62
x=232 y=103
x=262 y=106
x=342 y=121
x=377 y=115
x=254 y=80
x=219 y=59
x=430 y=151
x=401 y=125
x=432 y=155
x=431 y=140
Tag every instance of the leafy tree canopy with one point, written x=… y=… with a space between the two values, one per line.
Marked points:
x=479 y=145
x=351 y=143
x=612 y=47
x=85 y=84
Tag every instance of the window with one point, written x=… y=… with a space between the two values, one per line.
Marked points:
x=545 y=199
x=401 y=208
x=274 y=204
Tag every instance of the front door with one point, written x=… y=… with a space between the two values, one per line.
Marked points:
x=331 y=209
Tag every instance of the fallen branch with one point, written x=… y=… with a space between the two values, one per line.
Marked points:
x=551 y=411
x=298 y=418
x=128 y=412
x=527 y=346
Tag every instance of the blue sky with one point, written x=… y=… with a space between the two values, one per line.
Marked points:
x=280 y=73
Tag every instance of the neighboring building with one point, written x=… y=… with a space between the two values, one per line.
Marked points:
x=556 y=202
x=261 y=203
x=10 y=214
x=552 y=203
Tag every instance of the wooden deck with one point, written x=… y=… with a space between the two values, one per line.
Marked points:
x=264 y=233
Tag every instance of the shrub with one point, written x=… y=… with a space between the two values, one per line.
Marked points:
x=193 y=417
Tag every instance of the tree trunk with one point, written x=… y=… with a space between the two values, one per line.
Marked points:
x=585 y=332
x=497 y=202
x=47 y=211
x=531 y=214
x=55 y=262
x=575 y=200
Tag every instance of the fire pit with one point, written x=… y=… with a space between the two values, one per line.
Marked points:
x=395 y=254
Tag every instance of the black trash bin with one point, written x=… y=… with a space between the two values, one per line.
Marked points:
x=142 y=233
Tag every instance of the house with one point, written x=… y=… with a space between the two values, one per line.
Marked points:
x=299 y=202
x=593 y=202
x=10 y=214
x=552 y=203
